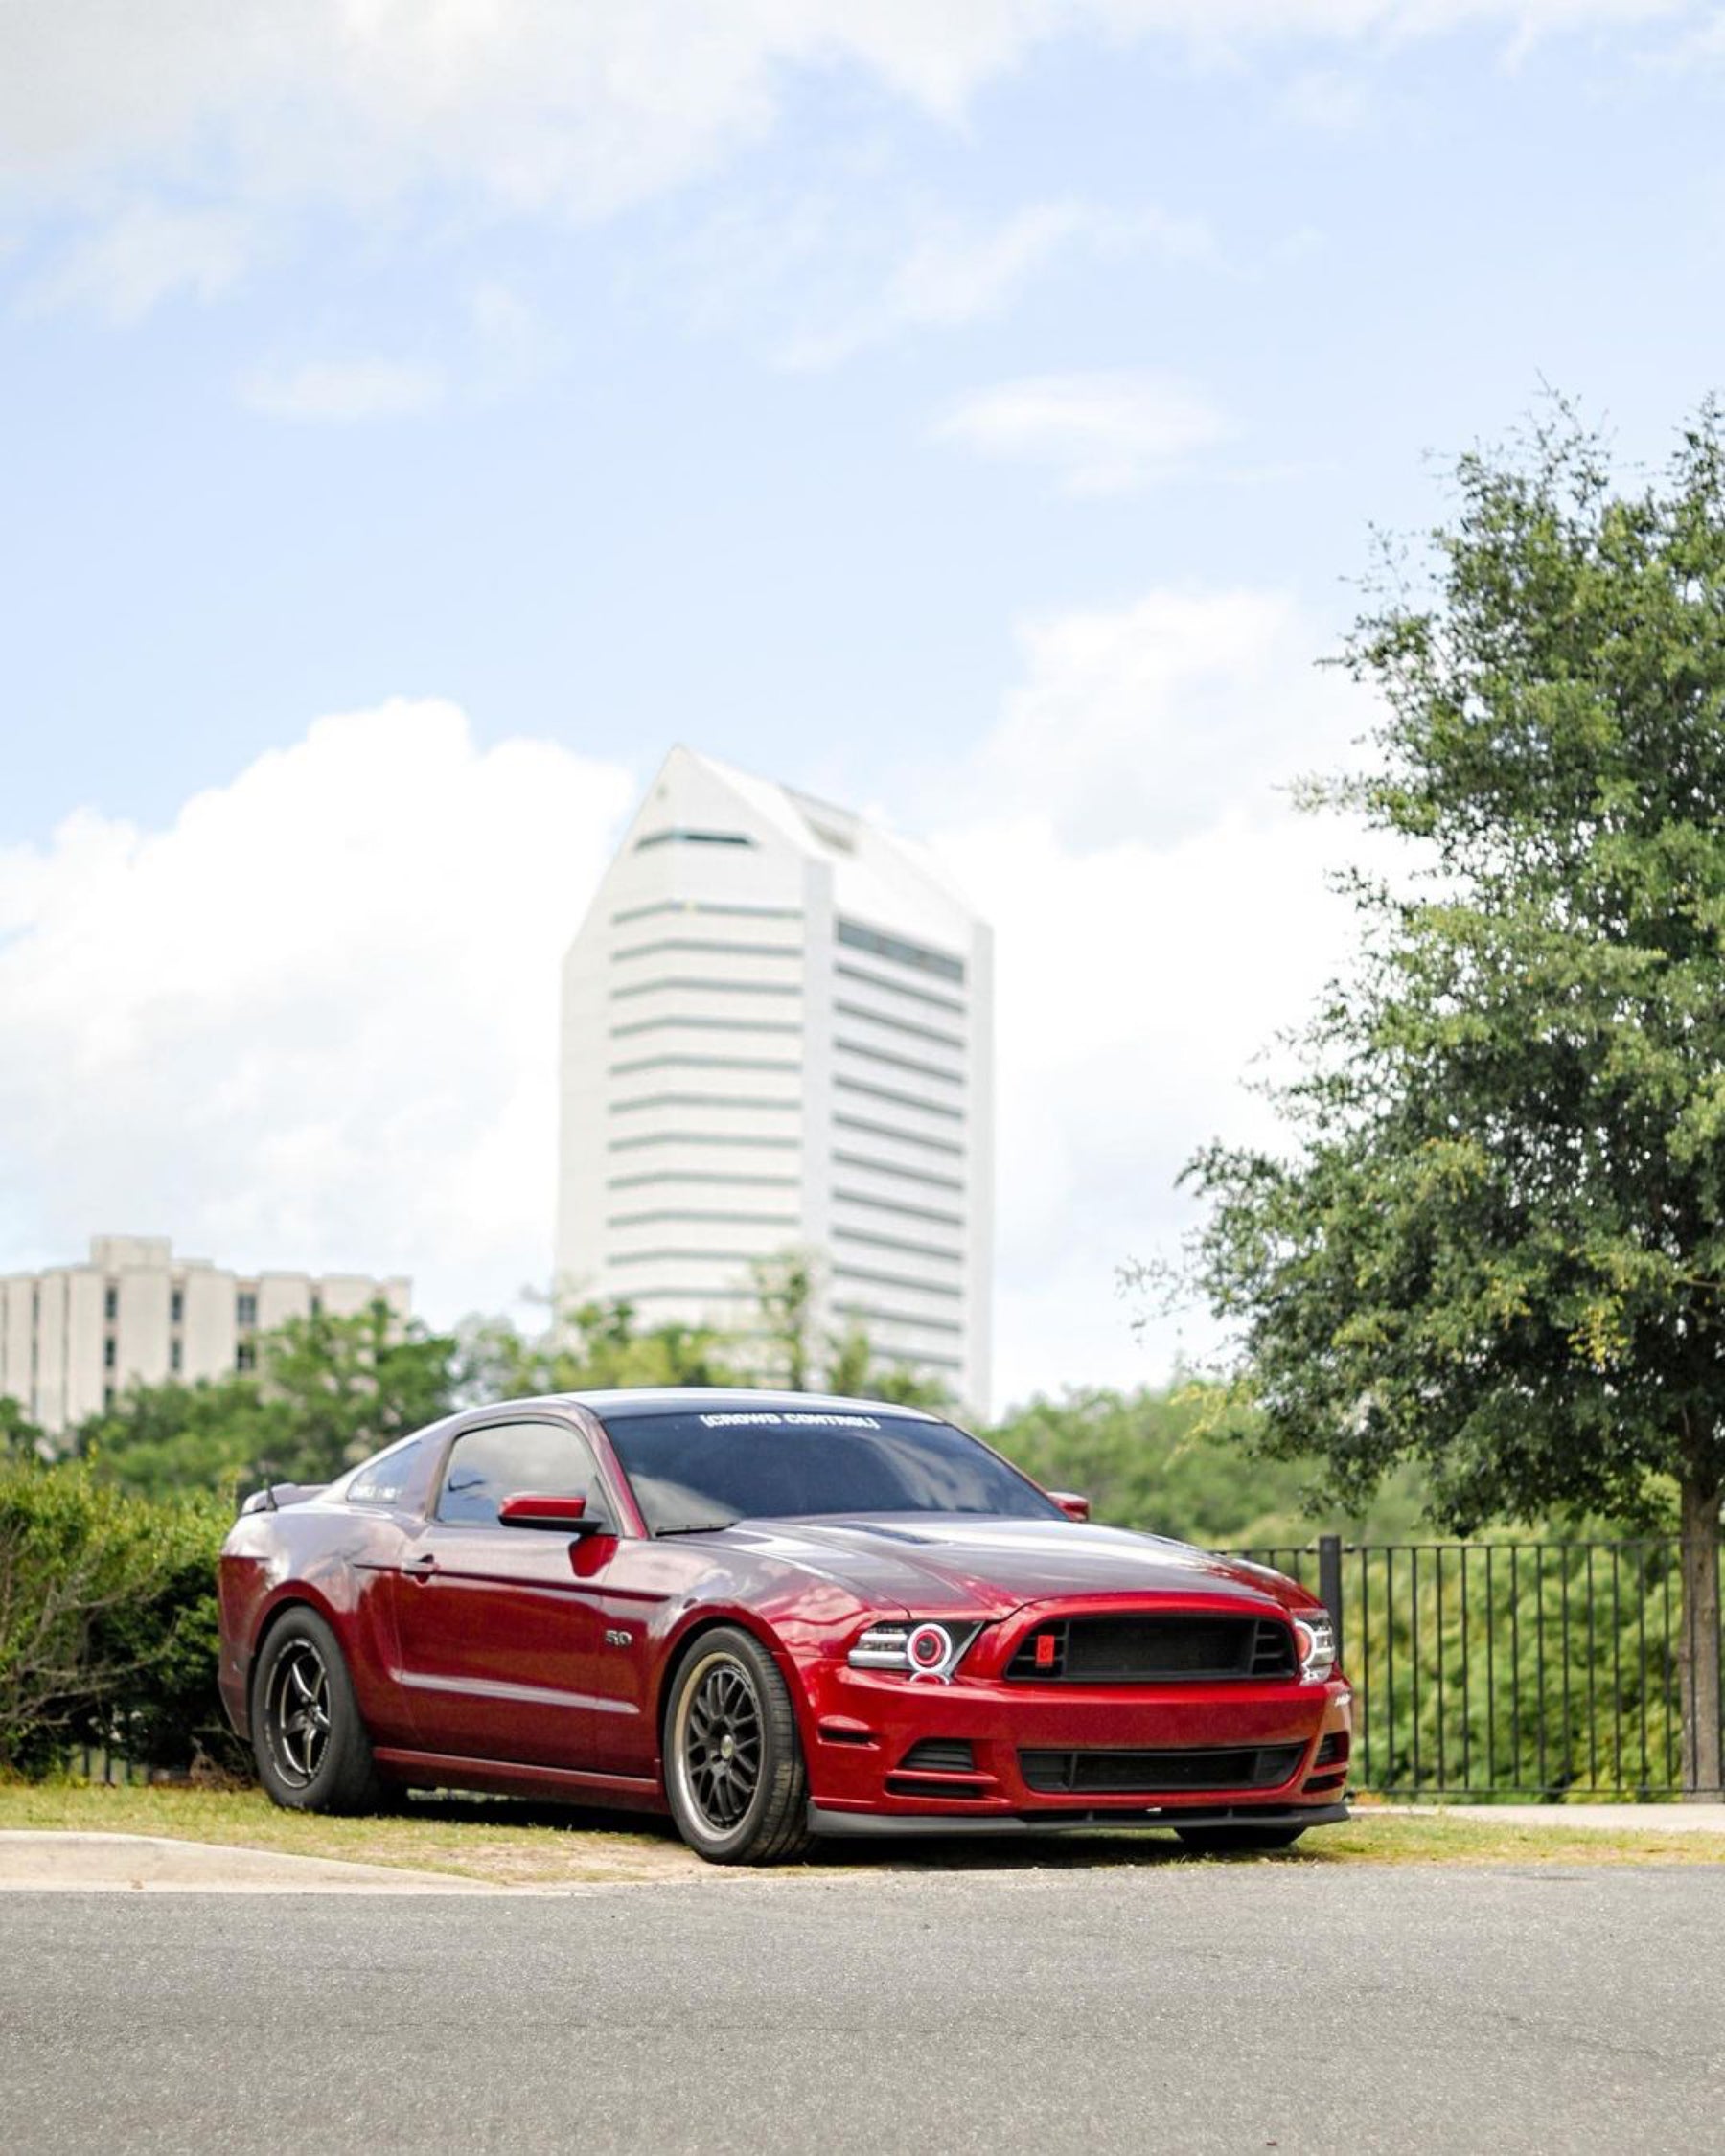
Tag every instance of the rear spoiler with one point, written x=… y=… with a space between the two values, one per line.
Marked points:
x=279 y=1494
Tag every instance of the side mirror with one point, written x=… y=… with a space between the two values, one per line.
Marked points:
x=567 y=1515
x=1074 y=1508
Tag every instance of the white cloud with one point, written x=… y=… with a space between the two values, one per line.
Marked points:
x=1149 y=720
x=1137 y=985
x=1102 y=433
x=314 y=1020
x=952 y=273
x=1160 y=913
x=583 y=107
x=145 y=255
x=344 y=390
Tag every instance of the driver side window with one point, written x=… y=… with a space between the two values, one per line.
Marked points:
x=503 y=1458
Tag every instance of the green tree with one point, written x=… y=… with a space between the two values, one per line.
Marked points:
x=19 y=1437
x=1180 y=1461
x=338 y=1388
x=1495 y=1241
x=217 y=1434
x=591 y=1346
x=803 y=1358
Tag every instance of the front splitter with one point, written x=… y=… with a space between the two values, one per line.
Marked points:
x=824 y=1822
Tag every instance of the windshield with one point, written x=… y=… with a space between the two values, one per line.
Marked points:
x=691 y=1470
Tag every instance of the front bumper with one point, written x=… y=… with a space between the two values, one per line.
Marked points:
x=867 y=1750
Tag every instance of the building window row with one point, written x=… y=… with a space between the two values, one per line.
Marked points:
x=702 y=1138
x=896 y=1206
x=925 y=1176
x=900 y=1100
x=952 y=1041
x=691 y=1257
x=685 y=985
x=941 y=1288
x=868 y=1313
x=707 y=907
x=916 y=994
x=684 y=838
x=900 y=951
x=918 y=1138
x=694 y=1213
x=676 y=1062
x=874 y=1242
x=900 y=1063
x=710 y=944
x=700 y=1100
x=671 y=1021
x=750 y=1181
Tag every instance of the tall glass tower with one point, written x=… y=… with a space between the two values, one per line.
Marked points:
x=776 y=1035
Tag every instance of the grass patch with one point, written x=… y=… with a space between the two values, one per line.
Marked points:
x=509 y=1844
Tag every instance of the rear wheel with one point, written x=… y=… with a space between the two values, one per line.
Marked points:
x=734 y=1771
x=313 y=1751
x=1238 y=1841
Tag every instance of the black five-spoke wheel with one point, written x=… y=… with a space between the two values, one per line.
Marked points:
x=312 y=1747
x=296 y=1712
x=733 y=1765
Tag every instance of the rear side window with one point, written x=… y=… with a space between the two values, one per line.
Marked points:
x=507 y=1459
x=397 y=1477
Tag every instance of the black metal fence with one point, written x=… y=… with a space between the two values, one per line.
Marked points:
x=1542 y=1669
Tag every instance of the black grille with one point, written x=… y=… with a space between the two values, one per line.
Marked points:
x=940 y=1755
x=1333 y=1750
x=1115 y=1650
x=1151 y=1773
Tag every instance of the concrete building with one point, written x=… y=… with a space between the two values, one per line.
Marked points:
x=777 y=1034
x=74 y=1337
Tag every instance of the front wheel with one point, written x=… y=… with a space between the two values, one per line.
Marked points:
x=313 y=1751
x=1238 y=1841
x=734 y=1771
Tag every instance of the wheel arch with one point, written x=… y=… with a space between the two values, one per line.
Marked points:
x=689 y=1639
x=290 y=1598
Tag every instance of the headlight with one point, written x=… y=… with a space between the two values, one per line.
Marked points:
x=1316 y=1639
x=915 y=1650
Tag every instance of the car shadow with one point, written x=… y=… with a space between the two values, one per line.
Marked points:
x=1101 y=1849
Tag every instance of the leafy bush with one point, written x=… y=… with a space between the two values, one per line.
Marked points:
x=108 y=1622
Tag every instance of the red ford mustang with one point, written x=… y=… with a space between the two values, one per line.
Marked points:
x=777 y=1617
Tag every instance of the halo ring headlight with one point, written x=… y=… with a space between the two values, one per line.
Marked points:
x=928 y=1650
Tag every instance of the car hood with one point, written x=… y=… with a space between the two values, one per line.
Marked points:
x=930 y=1563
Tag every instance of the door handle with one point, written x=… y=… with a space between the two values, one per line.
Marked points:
x=422 y=1567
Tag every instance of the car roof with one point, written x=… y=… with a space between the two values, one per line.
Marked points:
x=668 y=1399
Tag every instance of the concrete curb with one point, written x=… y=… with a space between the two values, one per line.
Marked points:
x=1593 y=1819
x=36 y=1861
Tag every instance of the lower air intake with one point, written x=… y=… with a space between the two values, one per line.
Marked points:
x=1157 y=1773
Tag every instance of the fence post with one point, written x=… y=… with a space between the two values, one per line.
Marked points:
x=1330 y=1584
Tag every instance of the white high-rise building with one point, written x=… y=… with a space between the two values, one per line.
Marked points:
x=776 y=1036
x=74 y=1337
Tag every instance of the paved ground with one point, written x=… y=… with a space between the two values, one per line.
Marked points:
x=1181 y=2008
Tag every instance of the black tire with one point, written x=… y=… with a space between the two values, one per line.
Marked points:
x=1238 y=1841
x=310 y=1745
x=734 y=1773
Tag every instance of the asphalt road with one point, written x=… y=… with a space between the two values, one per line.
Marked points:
x=1176 y=2006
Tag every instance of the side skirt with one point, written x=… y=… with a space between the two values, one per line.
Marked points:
x=573 y=1785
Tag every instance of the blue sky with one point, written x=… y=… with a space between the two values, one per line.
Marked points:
x=971 y=411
